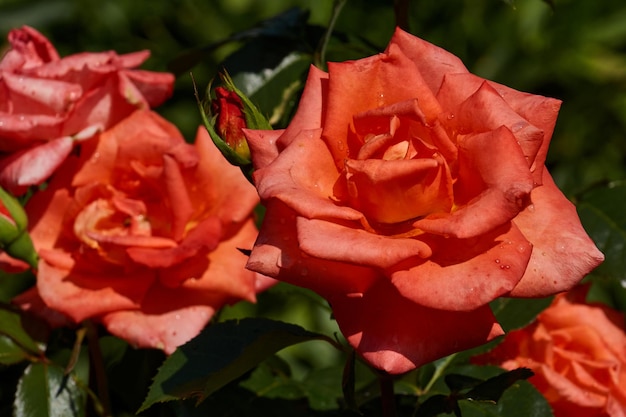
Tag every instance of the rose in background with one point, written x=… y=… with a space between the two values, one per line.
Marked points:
x=578 y=354
x=410 y=193
x=141 y=232
x=47 y=102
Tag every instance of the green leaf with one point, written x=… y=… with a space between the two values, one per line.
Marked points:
x=521 y=399
x=11 y=353
x=11 y=326
x=602 y=213
x=493 y=388
x=221 y=353
x=44 y=391
x=515 y=313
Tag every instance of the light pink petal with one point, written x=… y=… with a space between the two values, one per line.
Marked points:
x=29 y=48
x=396 y=335
x=464 y=274
x=563 y=253
x=19 y=131
x=33 y=166
x=155 y=87
x=36 y=95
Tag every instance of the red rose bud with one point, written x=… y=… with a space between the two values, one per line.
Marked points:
x=230 y=120
x=225 y=114
x=14 y=240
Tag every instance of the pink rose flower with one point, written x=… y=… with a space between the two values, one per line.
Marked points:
x=410 y=193
x=47 y=102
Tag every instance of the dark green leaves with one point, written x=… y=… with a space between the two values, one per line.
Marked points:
x=220 y=354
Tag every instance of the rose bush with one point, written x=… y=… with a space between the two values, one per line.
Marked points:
x=47 y=102
x=410 y=193
x=141 y=232
x=578 y=353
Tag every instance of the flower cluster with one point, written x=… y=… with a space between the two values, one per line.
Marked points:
x=136 y=228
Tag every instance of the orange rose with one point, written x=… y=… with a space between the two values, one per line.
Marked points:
x=141 y=231
x=47 y=102
x=410 y=193
x=578 y=354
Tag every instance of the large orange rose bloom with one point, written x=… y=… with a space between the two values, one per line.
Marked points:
x=141 y=232
x=578 y=354
x=48 y=103
x=410 y=193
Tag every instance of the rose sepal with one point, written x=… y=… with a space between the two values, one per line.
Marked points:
x=14 y=240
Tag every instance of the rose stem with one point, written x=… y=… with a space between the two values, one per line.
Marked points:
x=98 y=367
x=387 y=399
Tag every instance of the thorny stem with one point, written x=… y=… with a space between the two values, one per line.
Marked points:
x=320 y=58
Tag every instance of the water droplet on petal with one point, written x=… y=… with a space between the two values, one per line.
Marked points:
x=531 y=208
x=497 y=261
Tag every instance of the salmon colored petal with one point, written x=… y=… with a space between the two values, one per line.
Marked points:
x=334 y=242
x=30 y=301
x=492 y=188
x=288 y=178
x=205 y=235
x=176 y=191
x=84 y=295
x=165 y=330
x=432 y=61
x=19 y=131
x=464 y=274
x=33 y=166
x=563 y=252
x=276 y=254
x=263 y=146
x=396 y=335
x=357 y=86
x=395 y=191
x=219 y=188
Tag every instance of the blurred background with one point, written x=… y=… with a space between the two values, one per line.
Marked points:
x=571 y=50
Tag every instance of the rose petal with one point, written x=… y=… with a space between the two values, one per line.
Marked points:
x=563 y=252
x=176 y=193
x=81 y=295
x=432 y=61
x=36 y=95
x=33 y=166
x=155 y=87
x=395 y=191
x=277 y=255
x=288 y=179
x=372 y=325
x=165 y=330
x=263 y=146
x=494 y=177
x=331 y=241
x=464 y=274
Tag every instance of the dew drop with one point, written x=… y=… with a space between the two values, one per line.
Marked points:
x=450 y=116
x=518 y=126
x=497 y=261
x=531 y=208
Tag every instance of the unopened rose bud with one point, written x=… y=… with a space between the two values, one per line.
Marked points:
x=230 y=120
x=226 y=113
x=14 y=240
